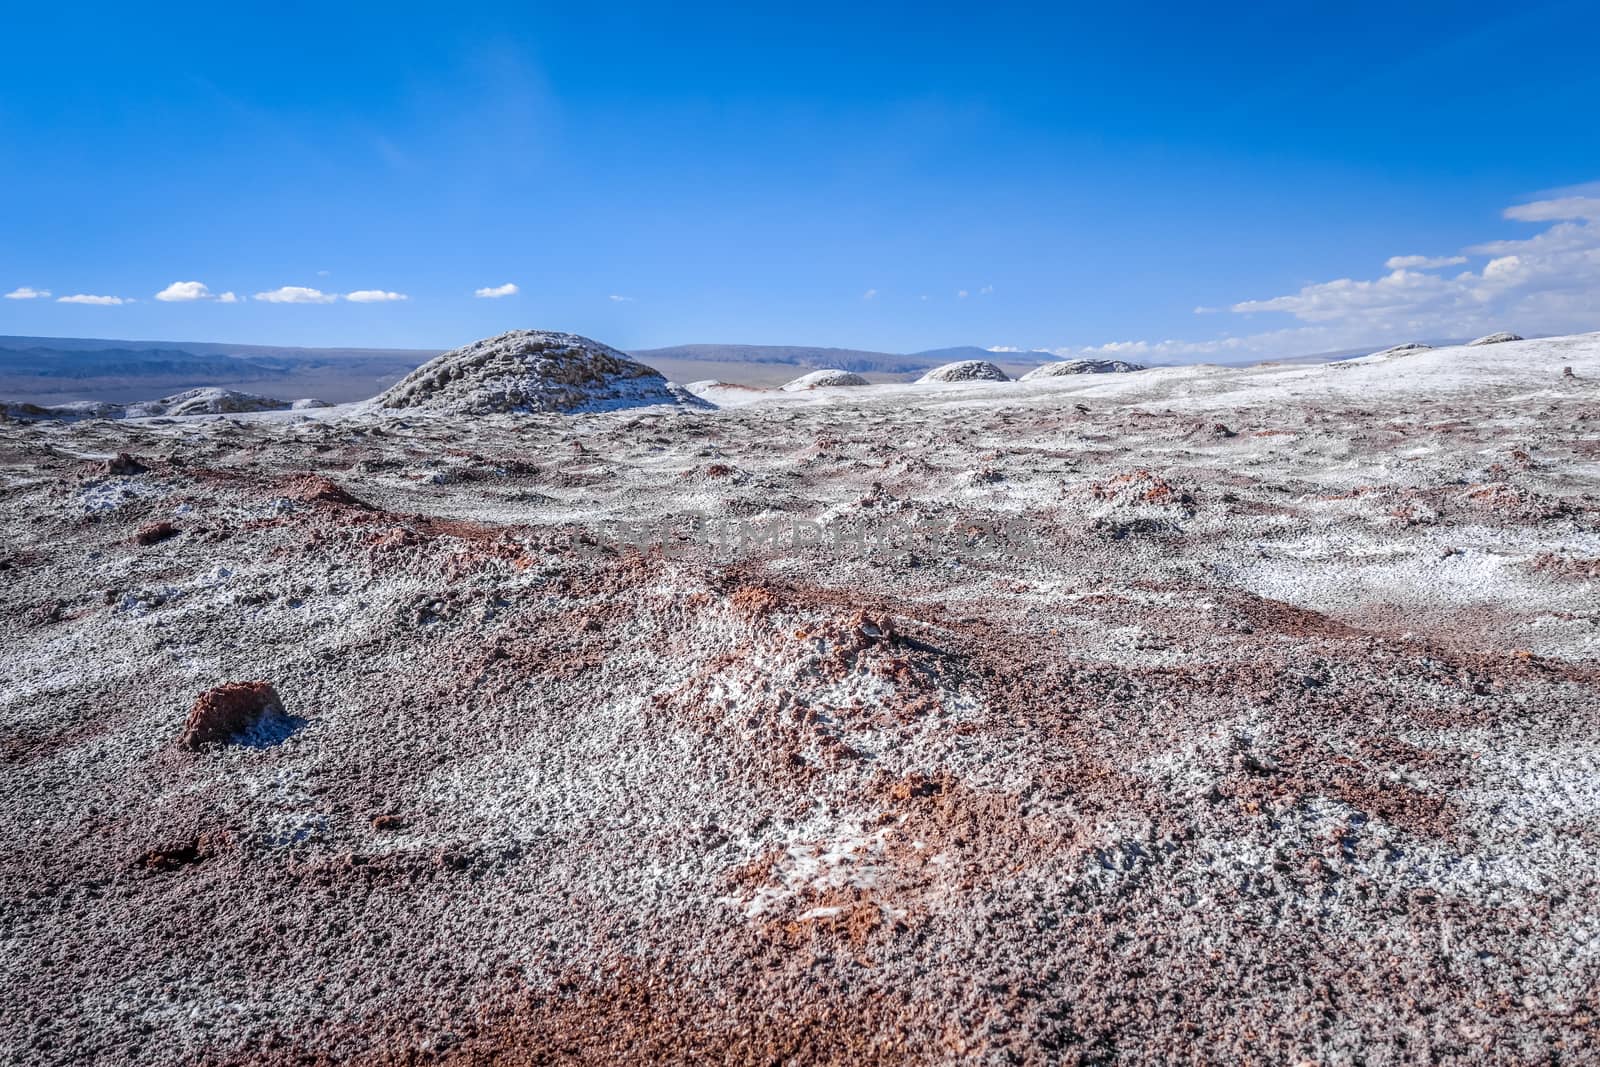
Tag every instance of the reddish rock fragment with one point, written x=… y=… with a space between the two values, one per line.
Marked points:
x=122 y=464
x=155 y=533
x=315 y=489
x=220 y=713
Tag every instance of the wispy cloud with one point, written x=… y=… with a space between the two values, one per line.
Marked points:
x=89 y=298
x=495 y=292
x=617 y=298
x=1423 y=262
x=296 y=294
x=962 y=294
x=870 y=294
x=27 y=292
x=986 y=290
x=374 y=296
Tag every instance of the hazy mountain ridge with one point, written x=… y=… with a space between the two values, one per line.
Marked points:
x=851 y=359
x=64 y=369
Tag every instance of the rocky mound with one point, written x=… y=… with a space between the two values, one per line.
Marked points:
x=824 y=379
x=966 y=370
x=1409 y=346
x=1494 y=339
x=527 y=371
x=78 y=409
x=309 y=403
x=208 y=401
x=1082 y=366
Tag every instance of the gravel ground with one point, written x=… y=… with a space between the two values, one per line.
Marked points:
x=1196 y=715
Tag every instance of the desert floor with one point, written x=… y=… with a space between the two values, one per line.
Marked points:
x=1247 y=716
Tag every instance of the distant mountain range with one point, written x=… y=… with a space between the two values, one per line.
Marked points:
x=61 y=369
x=53 y=370
x=852 y=359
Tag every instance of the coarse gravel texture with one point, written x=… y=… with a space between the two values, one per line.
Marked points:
x=1236 y=715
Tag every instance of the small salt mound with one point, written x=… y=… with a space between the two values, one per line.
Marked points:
x=824 y=379
x=308 y=403
x=208 y=401
x=77 y=409
x=1494 y=339
x=527 y=371
x=712 y=385
x=967 y=370
x=1082 y=366
x=1409 y=346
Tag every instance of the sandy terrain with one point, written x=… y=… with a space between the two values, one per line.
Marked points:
x=1199 y=714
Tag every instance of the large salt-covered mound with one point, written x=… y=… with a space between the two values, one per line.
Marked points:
x=1494 y=339
x=966 y=370
x=823 y=379
x=526 y=371
x=1082 y=366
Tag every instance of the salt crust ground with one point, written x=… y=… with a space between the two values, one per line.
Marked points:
x=1268 y=735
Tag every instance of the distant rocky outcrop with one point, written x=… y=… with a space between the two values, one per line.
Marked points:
x=1082 y=366
x=1494 y=339
x=309 y=403
x=824 y=379
x=966 y=370
x=529 y=371
x=1409 y=346
x=210 y=401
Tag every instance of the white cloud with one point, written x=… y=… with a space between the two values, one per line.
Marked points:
x=87 y=298
x=1548 y=282
x=619 y=299
x=1545 y=283
x=495 y=292
x=227 y=298
x=179 y=292
x=296 y=294
x=961 y=294
x=1423 y=262
x=870 y=294
x=986 y=290
x=374 y=296
x=27 y=292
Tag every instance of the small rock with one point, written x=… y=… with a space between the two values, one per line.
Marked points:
x=122 y=465
x=155 y=533
x=228 y=709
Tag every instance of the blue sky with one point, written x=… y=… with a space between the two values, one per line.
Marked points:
x=1178 y=181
